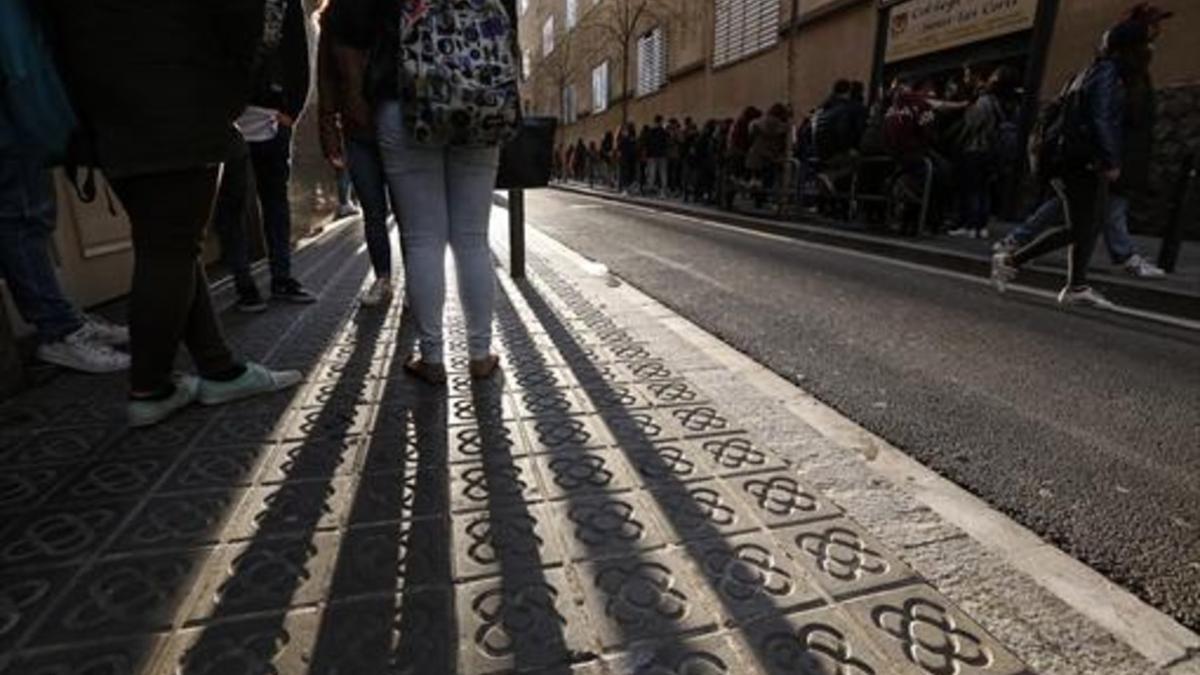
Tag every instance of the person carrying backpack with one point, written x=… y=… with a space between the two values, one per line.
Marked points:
x=36 y=122
x=1081 y=156
x=159 y=84
x=441 y=149
x=982 y=152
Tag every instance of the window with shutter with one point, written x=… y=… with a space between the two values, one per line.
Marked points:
x=572 y=13
x=600 y=88
x=569 y=113
x=652 y=62
x=743 y=28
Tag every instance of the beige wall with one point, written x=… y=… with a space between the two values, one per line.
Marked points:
x=1080 y=23
x=840 y=45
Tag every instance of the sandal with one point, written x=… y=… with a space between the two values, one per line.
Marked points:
x=430 y=373
x=482 y=369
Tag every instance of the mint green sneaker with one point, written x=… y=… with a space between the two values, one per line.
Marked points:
x=149 y=413
x=256 y=380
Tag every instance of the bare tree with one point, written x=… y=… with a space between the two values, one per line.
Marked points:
x=616 y=26
x=559 y=66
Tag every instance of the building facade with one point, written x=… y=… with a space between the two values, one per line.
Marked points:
x=711 y=58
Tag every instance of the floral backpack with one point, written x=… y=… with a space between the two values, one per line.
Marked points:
x=458 y=72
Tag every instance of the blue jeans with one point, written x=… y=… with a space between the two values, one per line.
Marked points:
x=975 y=190
x=26 y=226
x=444 y=198
x=272 y=164
x=1116 y=226
x=272 y=161
x=370 y=184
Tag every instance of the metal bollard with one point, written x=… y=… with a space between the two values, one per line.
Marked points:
x=1168 y=253
x=516 y=233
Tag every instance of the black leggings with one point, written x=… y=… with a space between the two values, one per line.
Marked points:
x=1083 y=194
x=169 y=302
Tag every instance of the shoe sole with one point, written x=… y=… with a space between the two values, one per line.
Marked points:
x=82 y=367
x=277 y=387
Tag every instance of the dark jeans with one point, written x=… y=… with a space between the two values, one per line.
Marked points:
x=169 y=301
x=370 y=184
x=272 y=164
x=975 y=190
x=1084 y=193
x=26 y=226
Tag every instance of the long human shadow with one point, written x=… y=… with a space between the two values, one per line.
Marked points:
x=388 y=608
x=598 y=525
x=273 y=571
x=756 y=587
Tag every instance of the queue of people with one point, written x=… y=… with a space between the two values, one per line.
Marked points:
x=961 y=133
x=180 y=104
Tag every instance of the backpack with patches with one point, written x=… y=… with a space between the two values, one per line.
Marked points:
x=33 y=98
x=458 y=72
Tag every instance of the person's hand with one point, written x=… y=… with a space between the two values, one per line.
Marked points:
x=284 y=119
x=336 y=159
x=1112 y=175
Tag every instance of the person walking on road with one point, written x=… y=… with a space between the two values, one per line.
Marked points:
x=159 y=85
x=1090 y=161
x=279 y=91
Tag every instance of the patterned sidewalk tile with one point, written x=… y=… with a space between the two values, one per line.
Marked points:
x=496 y=541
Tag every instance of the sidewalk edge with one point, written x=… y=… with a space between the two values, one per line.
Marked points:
x=1146 y=630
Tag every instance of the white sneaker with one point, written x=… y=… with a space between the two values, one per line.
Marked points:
x=1143 y=269
x=962 y=232
x=1084 y=297
x=1003 y=271
x=100 y=330
x=78 y=351
x=379 y=293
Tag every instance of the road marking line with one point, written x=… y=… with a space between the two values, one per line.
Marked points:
x=1146 y=315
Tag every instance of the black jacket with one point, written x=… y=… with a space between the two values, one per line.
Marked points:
x=158 y=83
x=282 y=77
x=1095 y=121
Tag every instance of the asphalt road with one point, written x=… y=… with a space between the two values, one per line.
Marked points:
x=1082 y=426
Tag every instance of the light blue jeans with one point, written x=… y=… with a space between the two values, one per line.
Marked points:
x=1116 y=226
x=443 y=197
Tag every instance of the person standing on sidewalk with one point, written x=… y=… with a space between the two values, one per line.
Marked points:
x=347 y=129
x=28 y=87
x=279 y=91
x=657 y=142
x=159 y=84
x=1090 y=162
x=441 y=158
x=980 y=153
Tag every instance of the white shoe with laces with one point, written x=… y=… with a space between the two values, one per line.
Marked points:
x=101 y=330
x=1141 y=268
x=1084 y=297
x=1003 y=271
x=379 y=293
x=80 y=351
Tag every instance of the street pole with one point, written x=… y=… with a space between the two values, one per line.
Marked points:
x=516 y=233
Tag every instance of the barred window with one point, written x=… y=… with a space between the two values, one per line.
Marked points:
x=652 y=62
x=600 y=88
x=743 y=28
x=548 y=36
x=569 y=112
